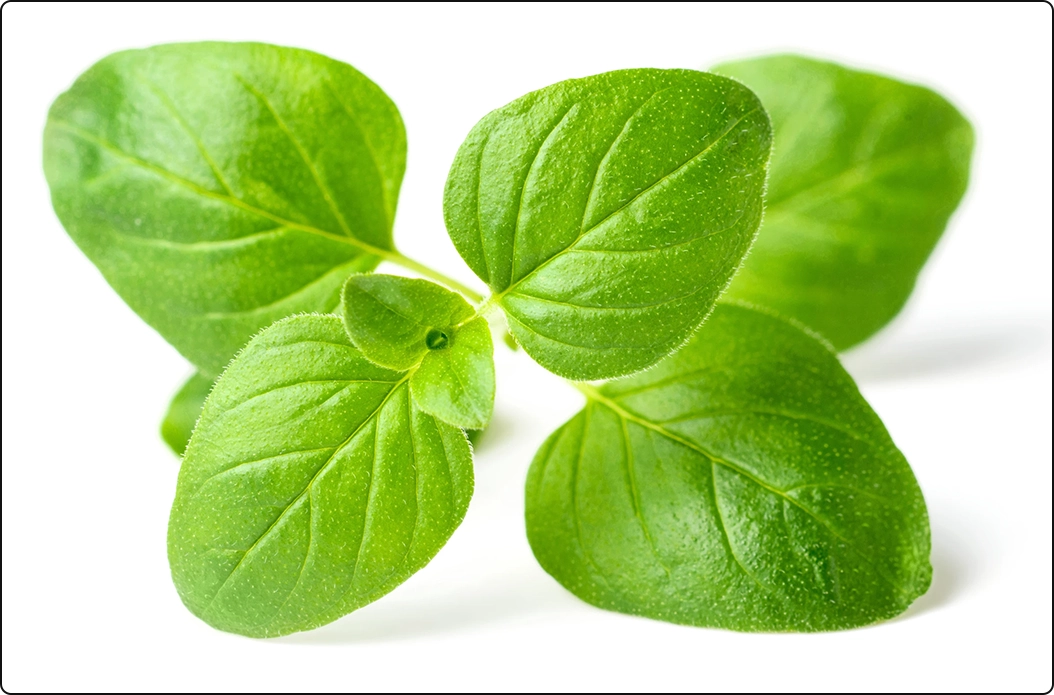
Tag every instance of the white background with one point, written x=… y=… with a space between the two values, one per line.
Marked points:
x=962 y=378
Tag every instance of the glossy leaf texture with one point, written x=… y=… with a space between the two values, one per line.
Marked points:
x=743 y=483
x=311 y=486
x=865 y=173
x=183 y=412
x=220 y=187
x=608 y=213
x=405 y=323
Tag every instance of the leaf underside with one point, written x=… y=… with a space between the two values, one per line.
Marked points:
x=312 y=485
x=219 y=187
x=865 y=173
x=608 y=213
x=743 y=483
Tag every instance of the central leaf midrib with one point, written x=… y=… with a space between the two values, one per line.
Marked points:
x=305 y=491
x=311 y=168
x=497 y=297
x=595 y=395
x=215 y=195
x=845 y=181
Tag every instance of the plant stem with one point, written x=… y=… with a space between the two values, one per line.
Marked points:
x=588 y=391
x=410 y=264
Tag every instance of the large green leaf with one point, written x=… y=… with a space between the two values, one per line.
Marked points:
x=219 y=187
x=404 y=323
x=311 y=486
x=608 y=213
x=865 y=174
x=183 y=412
x=743 y=483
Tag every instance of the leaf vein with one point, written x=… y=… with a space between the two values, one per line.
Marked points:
x=526 y=180
x=305 y=491
x=597 y=397
x=322 y=188
x=696 y=157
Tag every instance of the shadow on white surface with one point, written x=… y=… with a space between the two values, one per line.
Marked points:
x=951 y=576
x=500 y=428
x=941 y=350
x=502 y=600
x=961 y=556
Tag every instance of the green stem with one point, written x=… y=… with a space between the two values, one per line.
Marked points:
x=588 y=391
x=410 y=264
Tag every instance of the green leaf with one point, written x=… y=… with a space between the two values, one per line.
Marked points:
x=390 y=318
x=608 y=213
x=402 y=323
x=865 y=173
x=455 y=382
x=311 y=486
x=219 y=187
x=743 y=483
x=183 y=412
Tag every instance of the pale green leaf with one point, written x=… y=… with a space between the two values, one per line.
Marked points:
x=608 y=213
x=311 y=486
x=742 y=483
x=390 y=319
x=865 y=173
x=403 y=323
x=219 y=187
x=455 y=381
x=183 y=412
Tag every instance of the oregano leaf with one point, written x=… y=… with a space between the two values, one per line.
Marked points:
x=455 y=381
x=410 y=324
x=865 y=172
x=608 y=213
x=183 y=412
x=221 y=186
x=395 y=321
x=311 y=486
x=742 y=483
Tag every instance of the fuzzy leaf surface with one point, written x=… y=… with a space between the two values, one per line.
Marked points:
x=742 y=483
x=219 y=187
x=417 y=325
x=608 y=213
x=389 y=318
x=456 y=382
x=311 y=486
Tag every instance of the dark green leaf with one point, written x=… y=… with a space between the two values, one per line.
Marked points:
x=608 y=213
x=865 y=174
x=742 y=483
x=183 y=412
x=219 y=187
x=312 y=485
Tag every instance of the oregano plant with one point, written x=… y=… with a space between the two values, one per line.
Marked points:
x=725 y=470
